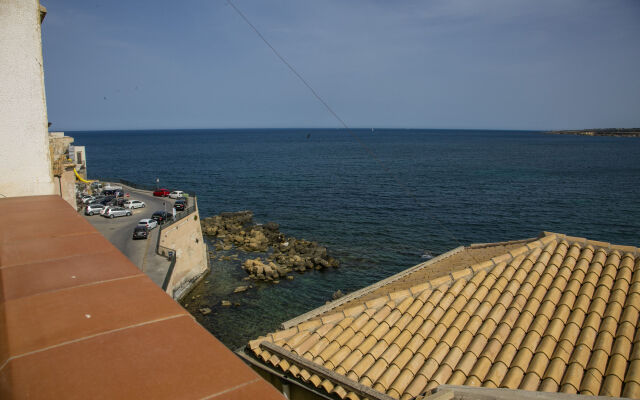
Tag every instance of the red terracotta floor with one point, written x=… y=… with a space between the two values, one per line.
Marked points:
x=79 y=321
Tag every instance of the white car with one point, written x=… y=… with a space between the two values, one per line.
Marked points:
x=176 y=194
x=149 y=223
x=87 y=199
x=134 y=204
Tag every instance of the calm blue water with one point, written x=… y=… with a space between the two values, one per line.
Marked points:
x=424 y=190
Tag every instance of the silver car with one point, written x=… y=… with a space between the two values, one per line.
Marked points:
x=113 y=212
x=93 y=209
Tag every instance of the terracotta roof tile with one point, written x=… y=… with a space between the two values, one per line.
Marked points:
x=557 y=314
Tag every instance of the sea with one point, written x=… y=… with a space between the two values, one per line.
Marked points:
x=380 y=200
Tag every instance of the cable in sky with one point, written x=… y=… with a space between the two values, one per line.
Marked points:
x=341 y=121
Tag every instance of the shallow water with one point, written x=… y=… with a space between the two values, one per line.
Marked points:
x=421 y=190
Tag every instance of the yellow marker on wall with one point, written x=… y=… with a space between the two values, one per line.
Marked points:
x=81 y=179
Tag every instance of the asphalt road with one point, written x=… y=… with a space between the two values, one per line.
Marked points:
x=119 y=232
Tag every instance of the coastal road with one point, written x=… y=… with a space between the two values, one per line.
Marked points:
x=119 y=232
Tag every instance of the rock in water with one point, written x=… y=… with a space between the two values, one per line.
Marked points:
x=225 y=303
x=240 y=289
x=289 y=254
x=205 y=310
x=337 y=294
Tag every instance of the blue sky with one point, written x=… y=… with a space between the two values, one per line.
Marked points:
x=491 y=64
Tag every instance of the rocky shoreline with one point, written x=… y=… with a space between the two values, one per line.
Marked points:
x=284 y=254
x=616 y=132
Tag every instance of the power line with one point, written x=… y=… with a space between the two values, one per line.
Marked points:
x=341 y=121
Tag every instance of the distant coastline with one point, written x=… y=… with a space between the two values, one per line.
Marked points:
x=619 y=132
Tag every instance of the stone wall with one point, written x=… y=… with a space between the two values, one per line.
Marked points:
x=64 y=178
x=24 y=154
x=185 y=237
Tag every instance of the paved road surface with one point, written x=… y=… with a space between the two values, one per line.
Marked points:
x=119 y=232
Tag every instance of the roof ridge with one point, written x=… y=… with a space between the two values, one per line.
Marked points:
x=596 y=243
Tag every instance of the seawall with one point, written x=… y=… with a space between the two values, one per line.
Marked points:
x=184 y=237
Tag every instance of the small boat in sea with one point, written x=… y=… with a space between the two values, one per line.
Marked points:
x=426 y=255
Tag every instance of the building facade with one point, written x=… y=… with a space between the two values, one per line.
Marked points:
x=25 y=160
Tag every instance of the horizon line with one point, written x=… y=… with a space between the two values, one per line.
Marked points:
x=302 y=128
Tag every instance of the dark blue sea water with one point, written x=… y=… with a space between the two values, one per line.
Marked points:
x=377 y=199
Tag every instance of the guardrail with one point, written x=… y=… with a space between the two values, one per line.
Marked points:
x=136 y=185
x=181 y=215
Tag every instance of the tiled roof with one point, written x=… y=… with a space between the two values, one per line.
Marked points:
x=559 y=314
x=79 y=321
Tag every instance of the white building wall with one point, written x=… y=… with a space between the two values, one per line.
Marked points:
x=25 y=166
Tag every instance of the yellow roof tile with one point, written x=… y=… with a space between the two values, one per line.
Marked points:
x=440 y=377
x=477 y=345
x=349 y=362
x=538 y=364
x=572 y=378
x=548 y=385
x=361 y=367
x=530 y=381
x=614 y=376
x=631 y=389
x=487 y=328
x=522 y=358
x=590 y=384
x=508 y=352
x=555 y=315
x=415 y=387
x=582 y=302
x=597 y=363
x=479 y=372
x=563 y=350
x=581 y=354
x=554 y=372
x=497 y=373
x=622 y=344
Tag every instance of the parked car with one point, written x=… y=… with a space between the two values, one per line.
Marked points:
x=93 y=209
x=116 y=212
x=149 y=223
x=160 y=216
x=87 y=199
x=140 y=232
x=180 y=204
x=176 y=194
x=104 y=210
x=106 y=200
x=161 y=193
x=134 y=204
